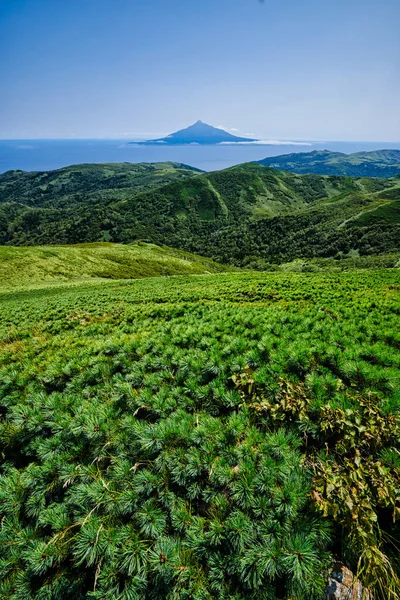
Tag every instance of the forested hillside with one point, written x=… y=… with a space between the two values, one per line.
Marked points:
x=245 y=215
x=379 y=163
x=58 y=188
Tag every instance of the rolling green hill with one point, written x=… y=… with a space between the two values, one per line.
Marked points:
x=63 y=187
x=379 y=163
x=44 y=265
x=248 y=215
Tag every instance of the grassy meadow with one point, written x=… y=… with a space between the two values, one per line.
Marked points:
x=35 y=266
x=213 y=436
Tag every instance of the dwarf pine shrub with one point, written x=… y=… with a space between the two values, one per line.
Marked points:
x=200 y=438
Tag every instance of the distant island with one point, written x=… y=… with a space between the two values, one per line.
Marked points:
x=198 y=133
x=379 y=163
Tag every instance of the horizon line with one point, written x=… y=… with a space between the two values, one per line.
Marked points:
x=282 y=141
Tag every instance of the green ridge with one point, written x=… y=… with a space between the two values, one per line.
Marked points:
x=379 y=163
x=248 y=215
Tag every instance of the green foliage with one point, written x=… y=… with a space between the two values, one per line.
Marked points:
x=344 y=449
x=177 y=437
x=379 y=163
x=58 y=187
x=249 y=215
x=340 y=263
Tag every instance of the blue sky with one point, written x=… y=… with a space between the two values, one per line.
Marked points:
x=282 y=69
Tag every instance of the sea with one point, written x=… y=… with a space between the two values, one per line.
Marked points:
x=48 y=154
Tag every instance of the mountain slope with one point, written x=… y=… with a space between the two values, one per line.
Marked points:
x=39 y=265
x=38 y=188
x=249 y=213
x=198 y=133
x=245 y=215
x=380 y=163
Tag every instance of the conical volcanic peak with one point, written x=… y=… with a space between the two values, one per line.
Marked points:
x=199 y=133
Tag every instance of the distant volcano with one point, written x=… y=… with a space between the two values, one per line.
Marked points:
x=198 y=133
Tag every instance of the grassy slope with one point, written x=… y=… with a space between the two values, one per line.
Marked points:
x=380 y=163
x=35 y=266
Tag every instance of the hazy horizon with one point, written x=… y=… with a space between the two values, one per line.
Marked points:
x=140 y=136
x=145 y=68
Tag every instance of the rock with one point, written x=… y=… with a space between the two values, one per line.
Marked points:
x=342 y=585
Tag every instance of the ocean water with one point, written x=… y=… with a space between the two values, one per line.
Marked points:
x=43 y=155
